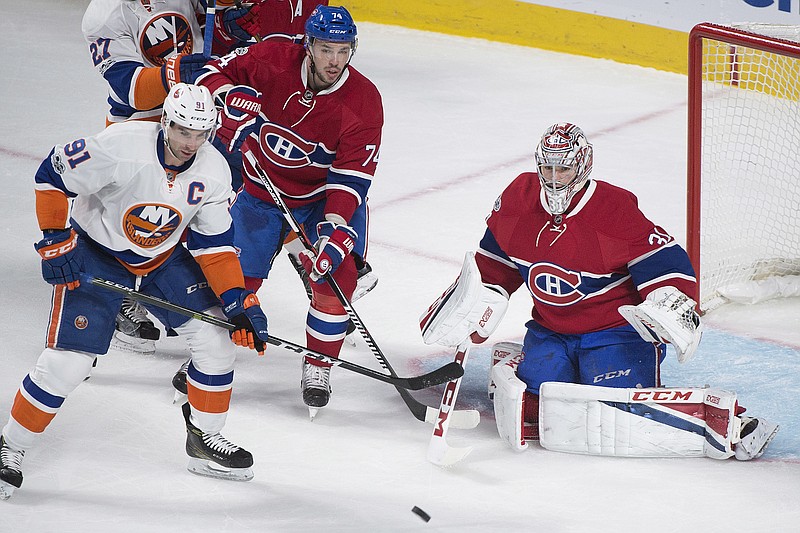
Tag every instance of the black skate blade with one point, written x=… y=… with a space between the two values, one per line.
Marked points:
x=204 y=467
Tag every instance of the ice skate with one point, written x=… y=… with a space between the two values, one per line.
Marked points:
x=367 y=281
x=134 y=331
x=756 y=434
x=316 y=387
x=10 y=469
x=298 y=266
x=179 y=383
x=213 y=455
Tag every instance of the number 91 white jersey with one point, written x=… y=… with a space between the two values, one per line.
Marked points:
x=129 y=203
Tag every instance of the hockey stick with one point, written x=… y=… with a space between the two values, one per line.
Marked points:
x=424 y=413
x=435 y=377
x=439 y=452
x=208 y=35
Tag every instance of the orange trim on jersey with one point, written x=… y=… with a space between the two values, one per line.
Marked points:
x=52 y=209
x=208 y=402
x=146 y=268
x=28 y=415
x=55 y=315
x=222 y=270
x=156 y=118
x=149 y=91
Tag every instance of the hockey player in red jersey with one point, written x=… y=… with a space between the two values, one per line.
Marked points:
x=136 y=188
x=609 y=288
x=313 y=123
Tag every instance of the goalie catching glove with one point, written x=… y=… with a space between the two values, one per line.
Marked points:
x=468 y=308
x=243 y=309
x=667 y=315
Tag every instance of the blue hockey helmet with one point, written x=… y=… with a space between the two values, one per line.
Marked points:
x=333 y=24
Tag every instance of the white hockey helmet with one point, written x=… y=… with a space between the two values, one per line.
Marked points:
x=563 y=147
x=190 y=106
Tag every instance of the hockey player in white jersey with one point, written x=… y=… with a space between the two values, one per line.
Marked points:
x=136 y=188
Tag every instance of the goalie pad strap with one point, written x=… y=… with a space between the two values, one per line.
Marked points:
x=508 y=402
x=651 y=422
x=466 y=307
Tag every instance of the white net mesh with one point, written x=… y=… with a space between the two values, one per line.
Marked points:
x=750 y=167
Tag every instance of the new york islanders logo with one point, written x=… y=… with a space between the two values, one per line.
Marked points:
x=148 y=225
x=161 y=34
x=553 y=285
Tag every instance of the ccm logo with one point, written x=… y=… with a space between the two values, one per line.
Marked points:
x=661 y=396
x=49 y=253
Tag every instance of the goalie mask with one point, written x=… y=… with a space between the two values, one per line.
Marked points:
x=563 y=161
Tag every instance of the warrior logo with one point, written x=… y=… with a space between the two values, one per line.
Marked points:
x=161 y=34
x=148 y=225
x=553 y=285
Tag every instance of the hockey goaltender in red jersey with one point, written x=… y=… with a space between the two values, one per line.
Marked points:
x=609 y=288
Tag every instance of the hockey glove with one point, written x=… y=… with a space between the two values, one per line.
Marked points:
x=182 y=69
x=60 y=264
x=667 y=315
x=335 y=243
x=240 y=24
x=244 y=311
x=239 y=116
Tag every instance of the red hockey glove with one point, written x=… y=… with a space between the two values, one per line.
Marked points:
x=335 y=243
x=239 y=116
x=238 y=24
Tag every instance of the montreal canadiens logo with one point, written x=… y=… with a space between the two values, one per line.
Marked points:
x=148 y=225
x=284 y=148
x=160 y=35
x=553 y=285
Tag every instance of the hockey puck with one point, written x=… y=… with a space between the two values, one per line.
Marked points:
x=420 y=513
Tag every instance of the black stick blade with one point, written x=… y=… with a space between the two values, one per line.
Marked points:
x=448 y=372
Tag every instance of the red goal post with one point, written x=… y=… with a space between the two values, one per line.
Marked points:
x=743 y=188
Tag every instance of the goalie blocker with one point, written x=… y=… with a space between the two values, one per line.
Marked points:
x=646 y=422
x=468 y=308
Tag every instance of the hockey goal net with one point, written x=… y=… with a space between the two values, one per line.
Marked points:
x=743 y=218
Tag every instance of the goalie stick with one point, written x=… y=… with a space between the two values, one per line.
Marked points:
x=424 y=413
x=439 y=452
x=435 y=377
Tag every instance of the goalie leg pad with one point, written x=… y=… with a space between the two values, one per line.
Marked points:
x=466 y=307
x=650 y=422
x=508 y=402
